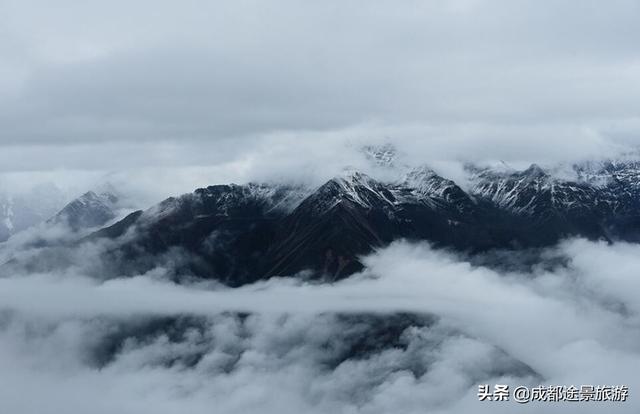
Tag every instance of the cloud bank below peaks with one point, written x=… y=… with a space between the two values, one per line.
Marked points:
x=573 y=324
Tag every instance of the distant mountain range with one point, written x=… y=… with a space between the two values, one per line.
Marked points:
x=45 y=204
x=89 y=210
x=238 y=234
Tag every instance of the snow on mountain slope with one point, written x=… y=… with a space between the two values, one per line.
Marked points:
x=533 y=191
x=89 y=210
x=230 y=200
x=353 y=187
x=603 y=187
x=382 y=155
x=237 y=234
x=424 y=185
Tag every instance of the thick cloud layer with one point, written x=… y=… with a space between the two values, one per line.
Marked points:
x=159 y=98
x=123 y=86
x=577 y=324
x=308 y=158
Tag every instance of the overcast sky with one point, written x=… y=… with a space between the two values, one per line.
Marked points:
x=167 y=96
x=117 y=85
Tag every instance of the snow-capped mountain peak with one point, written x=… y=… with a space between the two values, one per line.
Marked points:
x=91 y=209
x=354 y=187
x=384 y=155
x=240 y=233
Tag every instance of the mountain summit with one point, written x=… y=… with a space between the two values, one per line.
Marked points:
x=238 y=234
x=88 y=210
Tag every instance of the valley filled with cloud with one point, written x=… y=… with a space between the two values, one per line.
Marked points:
x=317 y=207
x=417 y=330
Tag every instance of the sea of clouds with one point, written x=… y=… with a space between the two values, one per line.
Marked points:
x=159 y=98
x=417 y=331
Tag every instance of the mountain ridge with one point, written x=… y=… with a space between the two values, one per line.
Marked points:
x=237 y=234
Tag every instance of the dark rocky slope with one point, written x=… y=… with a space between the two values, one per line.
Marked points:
x=239 y=234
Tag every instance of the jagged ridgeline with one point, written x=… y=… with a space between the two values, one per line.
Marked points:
x=238 y=234
x=46 y=204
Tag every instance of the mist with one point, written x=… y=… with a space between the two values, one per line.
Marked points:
x=149 y=100
x=575 y=324
x=201 y=93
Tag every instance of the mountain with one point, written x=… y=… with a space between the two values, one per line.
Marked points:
x=598 y=200
x=45 y=204
x=238 y=234
x=88 y=210
x=221 y=232
x=542 y=206
x=381 y=155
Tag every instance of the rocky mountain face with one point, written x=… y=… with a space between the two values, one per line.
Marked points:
x=600 y=201
x=238 y=234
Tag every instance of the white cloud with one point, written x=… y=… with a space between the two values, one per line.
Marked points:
x=573 y=325
x=96 y=88
x=160 y=98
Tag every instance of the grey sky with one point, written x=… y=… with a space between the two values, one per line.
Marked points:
x=160 y=97
x=119 y=85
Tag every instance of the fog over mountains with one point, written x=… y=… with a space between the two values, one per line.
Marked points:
x=341 y=294
x=238 y=234
x=397 y=288
x=243 y=207
x=19 y=212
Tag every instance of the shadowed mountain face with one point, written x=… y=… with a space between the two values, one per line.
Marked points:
x=239 y=234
